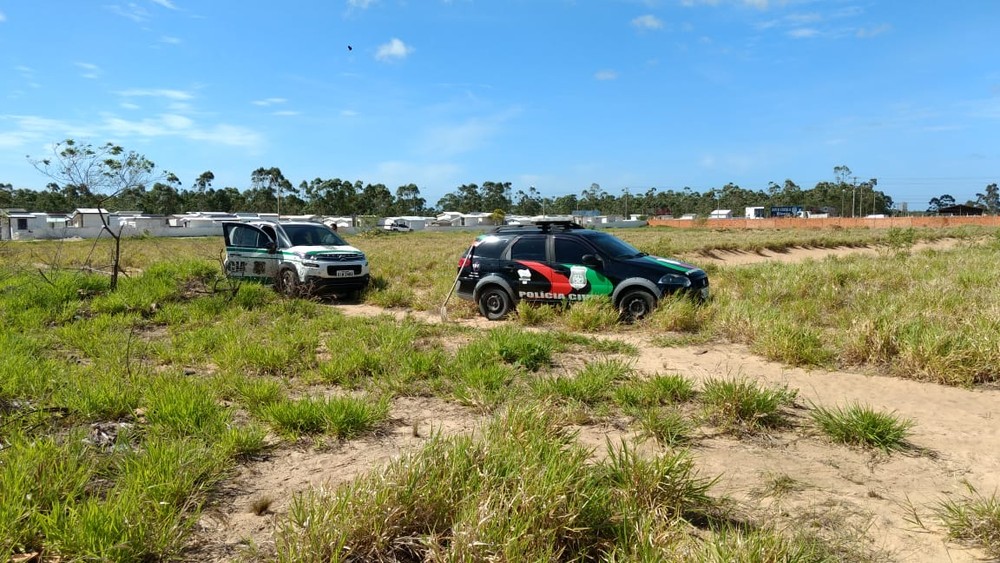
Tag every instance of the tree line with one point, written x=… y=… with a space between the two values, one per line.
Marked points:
x=269 y=192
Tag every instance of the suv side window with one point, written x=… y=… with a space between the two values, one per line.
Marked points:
x=248 y=237
x=570 y=251
x=491 y=248
x=531 y=247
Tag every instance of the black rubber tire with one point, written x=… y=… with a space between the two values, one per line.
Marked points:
x=288 y=282
x=495 y=303
x=636 y=305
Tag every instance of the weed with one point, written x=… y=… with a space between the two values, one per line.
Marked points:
x=861 y=425
x=592 y=315
x=667 y=426
x=740 y=404
x=592 y=385
x=974 y=519
x=658 y=390
x=342 y=417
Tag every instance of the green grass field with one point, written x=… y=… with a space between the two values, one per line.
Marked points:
x=122 y=412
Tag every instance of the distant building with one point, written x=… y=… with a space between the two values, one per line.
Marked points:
x=721 y=214
x=754 y=213
x=961 y=210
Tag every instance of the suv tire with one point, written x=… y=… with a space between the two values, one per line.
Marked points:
x=636 y=304
x=495 y=303
x=288 y=282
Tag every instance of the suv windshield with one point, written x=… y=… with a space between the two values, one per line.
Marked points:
x=312 y=235
x=614 y=246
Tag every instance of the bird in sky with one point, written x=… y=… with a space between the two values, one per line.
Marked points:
x=349 y=48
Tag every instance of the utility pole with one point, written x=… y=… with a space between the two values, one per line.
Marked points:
x=626 y=204
x=854 y=190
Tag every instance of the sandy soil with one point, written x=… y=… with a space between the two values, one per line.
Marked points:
x=956 y=439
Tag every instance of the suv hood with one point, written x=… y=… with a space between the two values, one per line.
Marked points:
x=319 y=251
x=658 y=262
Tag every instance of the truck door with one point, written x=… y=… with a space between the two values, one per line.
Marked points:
x=250 y=252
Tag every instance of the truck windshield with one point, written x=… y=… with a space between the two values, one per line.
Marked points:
x=312 y=235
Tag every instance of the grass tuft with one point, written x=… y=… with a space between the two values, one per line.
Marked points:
x=741 y=404
x=861 y=425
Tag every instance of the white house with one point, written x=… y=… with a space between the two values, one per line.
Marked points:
x=721 y=214
x=89 y=217
x=17 y=224
x=754 y=213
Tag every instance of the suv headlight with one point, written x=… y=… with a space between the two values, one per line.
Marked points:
x=675 y=280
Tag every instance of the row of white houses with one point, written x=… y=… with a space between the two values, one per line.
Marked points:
x=18 y=224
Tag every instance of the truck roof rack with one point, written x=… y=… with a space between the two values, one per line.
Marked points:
x=541 y=226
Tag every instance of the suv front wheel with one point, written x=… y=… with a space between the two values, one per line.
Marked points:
x=288 y=282
x=495 y=303
x=636 y=305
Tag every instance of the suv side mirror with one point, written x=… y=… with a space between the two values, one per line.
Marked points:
x=271 y=247
x=592 y=260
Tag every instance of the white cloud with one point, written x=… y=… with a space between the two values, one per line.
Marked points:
x=3 y=18
x=89 y=70
x=606 y=75
x=866 y=32
x=647 y=21
x=156 y=93
x=170 y=40
x=803 y=33
x=269 y=102
x=286 y=113
x=131 y=11
x=394 y=49
x=348 y=113
x=165 y=3
x=180 y=126
x=361 y=4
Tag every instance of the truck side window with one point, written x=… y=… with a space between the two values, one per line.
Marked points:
x=529 y=248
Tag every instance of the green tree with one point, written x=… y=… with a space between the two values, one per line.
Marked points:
x=936 y=203
x=377 y=200
x=409 y=202
x=6 y=195
x=267 y=186
x=495 y=195
x=989 y=199
x=104 y=171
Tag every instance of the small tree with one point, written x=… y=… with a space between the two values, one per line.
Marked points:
x=104 y=171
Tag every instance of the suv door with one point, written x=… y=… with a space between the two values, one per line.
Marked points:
x=250 y=252
x=585 y=278
x=525 y=266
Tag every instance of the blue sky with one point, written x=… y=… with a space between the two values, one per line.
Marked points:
x=555 y=94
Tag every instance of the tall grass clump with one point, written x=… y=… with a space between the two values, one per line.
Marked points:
x=482 y=386
x=39 y=475
x=535 y=314
x=656 y=391
x=341 y=417
x=591 y=385
x=509 y=345
x=592 y=315
x=863 y=426
x=741 y=404
x=179 y=406
x=974 y=519
x=148 y=512
x=523 y=491
x=732 y=543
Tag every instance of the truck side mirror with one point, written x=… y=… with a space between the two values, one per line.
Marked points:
x=592 y=260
